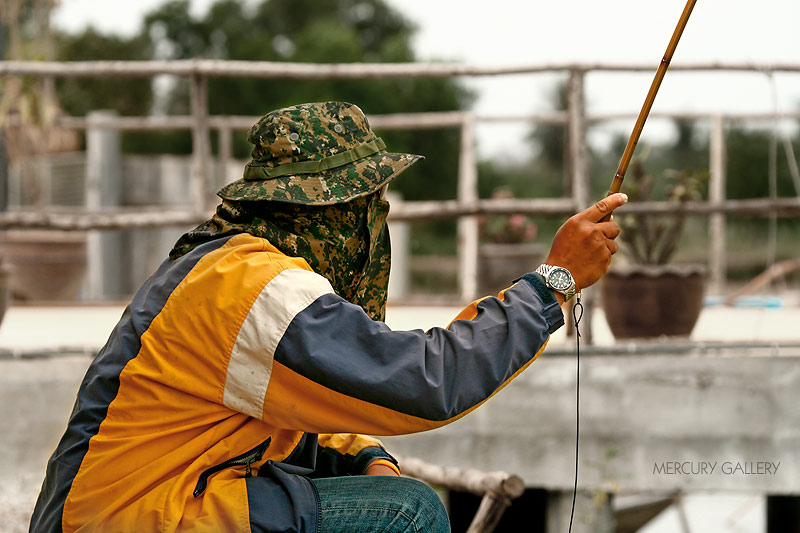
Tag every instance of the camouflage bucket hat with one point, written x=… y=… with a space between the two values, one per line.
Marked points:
x=315 y=154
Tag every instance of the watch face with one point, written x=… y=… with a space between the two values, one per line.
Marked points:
x=559 y=279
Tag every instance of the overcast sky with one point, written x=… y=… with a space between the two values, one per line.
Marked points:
x=609 y=31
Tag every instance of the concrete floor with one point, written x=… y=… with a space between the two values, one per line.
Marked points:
x=66 y=328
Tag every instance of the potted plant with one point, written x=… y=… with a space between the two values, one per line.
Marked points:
x=648 y=296
x=507 y=249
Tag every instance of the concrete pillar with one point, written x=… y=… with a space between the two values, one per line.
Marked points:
x=399 y=231
x=103 y=191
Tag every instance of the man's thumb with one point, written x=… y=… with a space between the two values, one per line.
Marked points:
x=606 y=206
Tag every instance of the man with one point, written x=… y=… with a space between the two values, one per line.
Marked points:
x=238 y=388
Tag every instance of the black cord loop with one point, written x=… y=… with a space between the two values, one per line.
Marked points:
x=577 y=314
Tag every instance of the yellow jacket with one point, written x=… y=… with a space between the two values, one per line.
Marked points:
x=236 y=374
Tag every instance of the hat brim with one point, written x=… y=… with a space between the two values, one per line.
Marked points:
x=331 y=186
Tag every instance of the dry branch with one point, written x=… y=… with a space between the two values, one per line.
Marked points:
x=463 y=479
x=775 y=271
x=496 y=488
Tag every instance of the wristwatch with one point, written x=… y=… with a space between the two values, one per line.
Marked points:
x=558 y=279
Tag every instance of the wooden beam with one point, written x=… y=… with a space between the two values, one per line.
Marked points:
x=320 y=71
x=399 y=121
x=201 y=143
x=80 y=221
x=427 y=210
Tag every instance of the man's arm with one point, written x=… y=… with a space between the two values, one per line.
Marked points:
x=343 y=454
x=332 y=369
x=379 y=468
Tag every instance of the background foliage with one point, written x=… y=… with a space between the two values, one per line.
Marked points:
x=338 y=31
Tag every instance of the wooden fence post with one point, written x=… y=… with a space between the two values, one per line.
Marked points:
x=225 y=157
x=578 y=151
x=716 y=195
x=201 y=151
x=468 y=225
x=578 y=170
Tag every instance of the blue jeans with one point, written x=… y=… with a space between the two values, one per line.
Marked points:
x=379 y=503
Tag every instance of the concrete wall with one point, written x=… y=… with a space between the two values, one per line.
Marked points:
x=637 y=411
x=640 y=415
x=714 y=403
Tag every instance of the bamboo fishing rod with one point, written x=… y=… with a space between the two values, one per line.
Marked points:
x=616 y=184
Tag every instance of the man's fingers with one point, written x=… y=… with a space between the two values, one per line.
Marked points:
x=609 y=229
x=605 y=206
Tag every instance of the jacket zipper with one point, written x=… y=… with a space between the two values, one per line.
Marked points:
x=319 y=504
x=247 y=459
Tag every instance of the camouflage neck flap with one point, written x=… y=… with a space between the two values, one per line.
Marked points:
x=347 y=243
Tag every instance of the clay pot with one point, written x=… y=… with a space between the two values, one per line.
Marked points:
x=653 y=300
x=5 y=288
x=500 y=264
x=47 y=265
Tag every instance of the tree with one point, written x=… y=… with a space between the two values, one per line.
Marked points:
x=551 y=139
x=127 y=96
x=338 y=31
x=748 y=165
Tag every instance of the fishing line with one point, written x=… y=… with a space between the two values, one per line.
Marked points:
x=577 y=314
x=616 y=185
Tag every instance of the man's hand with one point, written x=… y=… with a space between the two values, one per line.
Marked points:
x=584 y=245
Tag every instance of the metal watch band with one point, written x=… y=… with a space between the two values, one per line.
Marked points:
x=545 y=269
